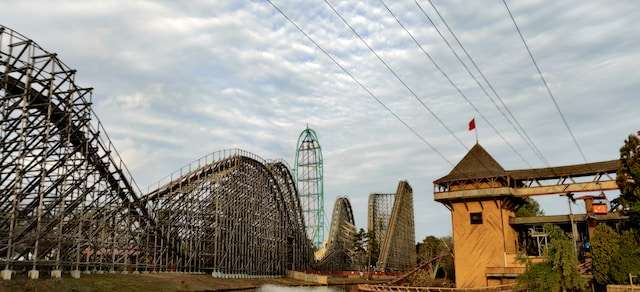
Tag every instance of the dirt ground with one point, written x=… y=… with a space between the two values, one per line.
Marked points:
x=143 y=282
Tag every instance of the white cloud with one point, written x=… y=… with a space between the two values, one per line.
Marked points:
x=176 y=80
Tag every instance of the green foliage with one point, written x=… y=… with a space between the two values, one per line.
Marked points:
x=366 y=249
x=360 y=241
x=373 y=249
x=605 y=246
x=530 y=209
x=628 y=179
x=540 y=278
x=614 y=255
x=562 y=256
x=629 y=261
x=559 y=271
x=432 y=247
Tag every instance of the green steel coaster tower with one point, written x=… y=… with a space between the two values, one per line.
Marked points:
x=309 y=180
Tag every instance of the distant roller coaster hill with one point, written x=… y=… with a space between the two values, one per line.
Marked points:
x=391 y=219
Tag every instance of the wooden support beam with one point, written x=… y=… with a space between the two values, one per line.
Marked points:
x=566 y=188
x=526 y=191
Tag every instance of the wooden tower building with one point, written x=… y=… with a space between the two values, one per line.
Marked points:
x=482 y=197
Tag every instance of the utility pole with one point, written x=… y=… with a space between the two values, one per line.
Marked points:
x=574 y=229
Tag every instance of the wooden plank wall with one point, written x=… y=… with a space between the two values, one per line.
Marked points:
x=479 y=246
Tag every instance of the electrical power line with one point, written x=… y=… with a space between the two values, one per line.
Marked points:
x=366 y=89
x=513 y=121
x=544 y=81
x=413 y=93
x=454 y=85
x=473 y=62
x=371 y=94
x=399 y=79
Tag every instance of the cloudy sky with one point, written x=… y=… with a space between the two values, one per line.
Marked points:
x=175 y=80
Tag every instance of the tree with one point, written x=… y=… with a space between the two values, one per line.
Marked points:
x=529 y=209
x=373 y=249
x=366 y=249
x=605 y=247
x=615 y=255
x=628 y=180
x=559 y=270
x=561 y=254
x=629 y=260
x=438 y=251
x=539 y=278
x=359 y=252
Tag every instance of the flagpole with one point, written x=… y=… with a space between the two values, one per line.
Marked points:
x=476 y=129
x=472 y=127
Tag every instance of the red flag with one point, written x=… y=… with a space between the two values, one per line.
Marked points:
x=472 y=124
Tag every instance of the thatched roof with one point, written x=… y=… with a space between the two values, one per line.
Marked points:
x=478 y=163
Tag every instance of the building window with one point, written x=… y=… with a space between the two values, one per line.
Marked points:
x=476 y=218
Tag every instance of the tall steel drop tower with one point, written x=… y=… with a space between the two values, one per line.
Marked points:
x=309 y=179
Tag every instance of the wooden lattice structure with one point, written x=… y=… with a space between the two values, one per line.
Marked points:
x=378 y=215
x=336 y=254
x=68 y=201
x=398 y=245
x=232 y=213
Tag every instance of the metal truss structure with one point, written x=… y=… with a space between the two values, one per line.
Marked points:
x=397 y=235
x=67 y=199
x=336 y=253
x=232 y=213
x=309 y=174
